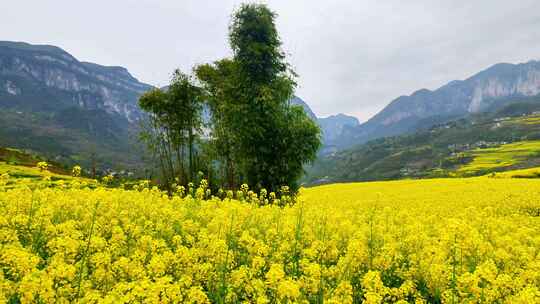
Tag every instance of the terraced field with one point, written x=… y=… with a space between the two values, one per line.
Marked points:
x=501 y=157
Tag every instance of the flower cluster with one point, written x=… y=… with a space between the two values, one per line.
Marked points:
x=76 y=171
x=429 y=241
x=107 y=179
x=42 y=166
x=4 y=179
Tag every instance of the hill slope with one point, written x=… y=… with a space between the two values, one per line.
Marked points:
x=66 y=109
x=46 y=78
x=488 y=90
x=477 y=145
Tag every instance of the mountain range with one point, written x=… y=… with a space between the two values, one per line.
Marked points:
x=68 y=109
x=333 y=127
x=47 y=78
x=485 y=91
x=64 y=108
x=480 y=144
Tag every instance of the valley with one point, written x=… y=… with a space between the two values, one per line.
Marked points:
x=212 y=177
x=476 y=145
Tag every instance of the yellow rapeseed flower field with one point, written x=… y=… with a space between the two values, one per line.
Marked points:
x=471 y=240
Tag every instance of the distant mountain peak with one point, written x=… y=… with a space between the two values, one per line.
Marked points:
x=298 y=101
x=339 y=115
x=421 y=92
x=44 y=48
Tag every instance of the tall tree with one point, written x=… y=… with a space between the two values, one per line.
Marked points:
x=256 y=135
x=174 y=125
x=249 y=95
x=186 y=107
x=256 y=45
x=270 y=126
x=222 y=87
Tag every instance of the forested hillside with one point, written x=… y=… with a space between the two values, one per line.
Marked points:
x=448 y=149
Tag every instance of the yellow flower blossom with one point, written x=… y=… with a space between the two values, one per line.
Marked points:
x=442 y=240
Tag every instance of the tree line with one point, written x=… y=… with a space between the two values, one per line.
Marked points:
x=232 y=119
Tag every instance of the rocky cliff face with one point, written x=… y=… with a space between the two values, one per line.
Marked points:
x=494 y=87
x=35 y=77
x=66 y=109
x=502 y=81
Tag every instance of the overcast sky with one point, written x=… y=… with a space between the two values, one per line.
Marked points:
x=352 y=56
